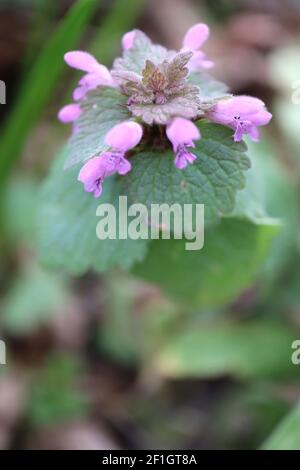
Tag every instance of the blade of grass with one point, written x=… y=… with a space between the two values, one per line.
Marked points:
x=43 y=19
x=40 y=82
x=287 y=435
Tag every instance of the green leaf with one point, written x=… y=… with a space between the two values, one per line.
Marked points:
x=227 y=264
x=41 y=81
x=287 y=435
x=286 y=293
x=137 y=319
x=275 y=187
x=67 y=228
x=212 y=180
x=120 y=329
x=287 y=114
x=103 y=109
x=34 y=299
x=54 y=396
x=248 y=350
x=210 y=88
x=251 y=201
x=19 y=208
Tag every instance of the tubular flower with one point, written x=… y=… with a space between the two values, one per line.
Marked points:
x=69 y=113
x=182 y=133
x=120 y=139
x=243 y=114
x=193 y=40
x=97 y=74
x=127 y=40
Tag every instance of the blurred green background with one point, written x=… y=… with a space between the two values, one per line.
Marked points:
x=111 y=362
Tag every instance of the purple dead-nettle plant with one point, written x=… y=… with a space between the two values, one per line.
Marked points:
x=161 y=98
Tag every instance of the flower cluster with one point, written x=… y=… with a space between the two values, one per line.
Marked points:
x=159 y=93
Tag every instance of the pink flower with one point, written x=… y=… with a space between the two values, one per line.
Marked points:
x=182 y=133
x=120 y=138
x=69 y=113
x=127 y=40
x=243 y=114
x=124 y=136
x=92 y=175
x=195 y=37
x=97 y=74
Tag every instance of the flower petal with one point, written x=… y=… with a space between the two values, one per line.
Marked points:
x=124 y=166
x=182 y=131
x=254 y=133
x=180 y=162
x=199 y=61
x=242 y=113
x=262 y=118
x=90 y=81
x=91 y=171
x=98 y=190
x=238 y=135
x=124 y=136
x=69 y=113
x=190 y=157
x=128 y=39
x=81 y=60
x=240 y=105
x=196 y=36
x=109 y=163
x=79 y=93
x=101 y=77
x=75 y=129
